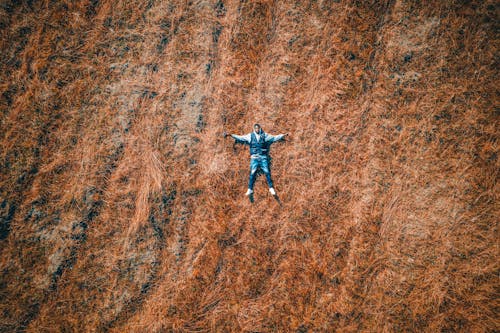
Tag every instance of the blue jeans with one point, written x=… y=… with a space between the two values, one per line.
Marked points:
x=262 y=163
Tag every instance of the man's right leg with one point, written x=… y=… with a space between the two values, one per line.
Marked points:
x=254 y=164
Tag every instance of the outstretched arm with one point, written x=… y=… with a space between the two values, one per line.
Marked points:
x=273 y=138
x=241 y=138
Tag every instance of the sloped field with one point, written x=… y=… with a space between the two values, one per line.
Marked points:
x=122 y=207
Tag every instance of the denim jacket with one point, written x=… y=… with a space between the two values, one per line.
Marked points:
x=258 y=147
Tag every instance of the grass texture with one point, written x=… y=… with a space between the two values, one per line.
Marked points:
x=122 y=207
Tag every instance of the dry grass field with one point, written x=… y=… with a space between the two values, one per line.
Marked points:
x=122 y=207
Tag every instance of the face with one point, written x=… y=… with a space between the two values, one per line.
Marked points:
x=256 y=128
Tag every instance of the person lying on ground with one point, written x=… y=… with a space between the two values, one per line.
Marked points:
x=259 y=143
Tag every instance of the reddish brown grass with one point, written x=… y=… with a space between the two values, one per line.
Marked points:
x=122 y=206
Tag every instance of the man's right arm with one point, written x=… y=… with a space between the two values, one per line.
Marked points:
x=241 y=138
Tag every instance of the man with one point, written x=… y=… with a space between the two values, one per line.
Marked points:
x=259 y=143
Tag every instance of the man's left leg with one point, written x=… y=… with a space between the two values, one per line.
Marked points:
x=264 y=165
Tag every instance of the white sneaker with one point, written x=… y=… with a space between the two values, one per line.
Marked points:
x=249 y=192
x=273 y=192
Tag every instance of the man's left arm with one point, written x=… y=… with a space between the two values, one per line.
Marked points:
x=273 y=138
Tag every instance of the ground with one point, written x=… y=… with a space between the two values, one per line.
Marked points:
x=122 y=206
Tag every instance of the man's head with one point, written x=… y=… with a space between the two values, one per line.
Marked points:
x=257 y=128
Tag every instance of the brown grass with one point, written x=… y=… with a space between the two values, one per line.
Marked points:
x=122 y=206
